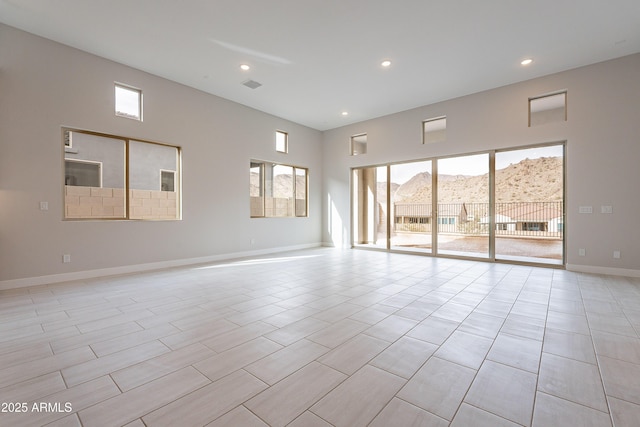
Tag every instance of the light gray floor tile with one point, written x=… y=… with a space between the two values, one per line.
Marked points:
x=300 y=338
x=438 y=387
x=468 y=416
x=620 y=379
x=353 y=354
x=404 y=357
x=625 y=414
x=281 y=363
x=221 y=364
x=434 y=330
x=400 y=413
x=551 y=410
x=519 y=352
x=360 y=398
x=617 y=346
x=465 y=349
x=570 y=345
x=240 y=417
x=286 y=400
x=339 y=332
x=126 y=407
x=207 y=403
x=504 y=391
x=572 y=380
x=309 y=419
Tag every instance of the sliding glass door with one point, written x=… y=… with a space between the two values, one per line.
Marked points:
x=499 y=205
x=463 y=206
x=411 y=206
x=529 y=206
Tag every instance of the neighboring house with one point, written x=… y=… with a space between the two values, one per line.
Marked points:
x=419 y=216
x=526 y=218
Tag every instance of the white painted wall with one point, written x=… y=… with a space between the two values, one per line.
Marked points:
x=603 y=153
x=45 y=85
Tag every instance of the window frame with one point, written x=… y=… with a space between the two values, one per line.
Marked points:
x=285 y=135
x=132 y=89
x=128 y=215
x=441 y=138
x=356 y=147
x=533 y=99
x=263 y=166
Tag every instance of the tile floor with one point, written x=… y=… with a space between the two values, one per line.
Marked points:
x=325 y=337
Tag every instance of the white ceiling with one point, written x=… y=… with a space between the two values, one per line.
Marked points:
x=317 y=58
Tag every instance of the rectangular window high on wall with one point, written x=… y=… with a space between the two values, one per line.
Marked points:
x=282 y=142
x=277 y=190
x=434 y=130
x=549 y=108
x=111 y=177
x=358 y=144
x=128 y=101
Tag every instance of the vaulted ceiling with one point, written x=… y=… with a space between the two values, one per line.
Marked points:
x=316 y=59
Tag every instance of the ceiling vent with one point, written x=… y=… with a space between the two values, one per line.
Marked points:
x=252 y=84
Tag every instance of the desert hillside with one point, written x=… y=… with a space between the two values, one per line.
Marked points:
x=282 y=185
x=530 y=180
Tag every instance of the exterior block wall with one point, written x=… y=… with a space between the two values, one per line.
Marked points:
x=101 y=203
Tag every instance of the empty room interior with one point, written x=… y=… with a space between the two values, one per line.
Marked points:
x=320 y=213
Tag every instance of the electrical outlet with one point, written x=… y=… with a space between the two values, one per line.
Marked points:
x=66 y=258
x=616 y=254
x=582 y=252
x=585 y=209
x=606 y=209
x=44 y=206
x=252 y=241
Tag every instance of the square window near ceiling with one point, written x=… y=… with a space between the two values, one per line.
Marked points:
x=128 y=102
x=358 y=144
x=282 y=142
x=548 y=109
x=434 y=130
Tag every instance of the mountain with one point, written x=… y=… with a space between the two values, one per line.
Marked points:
x=282 y=184
x=537 y=180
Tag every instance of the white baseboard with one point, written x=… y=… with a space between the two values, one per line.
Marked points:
x=609 y=271
x=139 y=268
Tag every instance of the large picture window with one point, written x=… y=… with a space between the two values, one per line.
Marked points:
x=110 y=177
x=277 y=190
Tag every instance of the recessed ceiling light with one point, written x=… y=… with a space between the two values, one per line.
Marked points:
x=385 y=63
x=245 y=67
x=345 y=113
x=526 y=61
